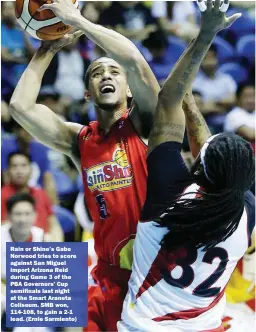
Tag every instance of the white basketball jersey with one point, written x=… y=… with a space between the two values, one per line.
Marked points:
x=180 y=289
x=37 y=236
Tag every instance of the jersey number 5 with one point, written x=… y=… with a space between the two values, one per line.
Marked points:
x=102 y=206
x=204 y=289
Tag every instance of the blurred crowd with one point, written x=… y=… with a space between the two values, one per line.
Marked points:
x=224 y=91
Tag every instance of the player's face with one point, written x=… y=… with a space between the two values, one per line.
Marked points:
x=247 y=99
x=22 y=217
x=19 y=170
x=108 y=84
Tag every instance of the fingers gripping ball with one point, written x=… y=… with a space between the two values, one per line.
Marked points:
x=42 y=25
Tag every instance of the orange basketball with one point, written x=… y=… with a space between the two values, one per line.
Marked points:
x=41 y=25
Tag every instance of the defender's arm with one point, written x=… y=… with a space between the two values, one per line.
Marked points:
x=169 y=122
x=197 y=129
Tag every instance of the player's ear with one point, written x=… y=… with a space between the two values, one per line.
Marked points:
x=87 y=95
x=128 y=92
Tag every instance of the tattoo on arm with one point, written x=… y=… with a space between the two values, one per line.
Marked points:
x=197 y=128
x=165 y=130
x=187 y=67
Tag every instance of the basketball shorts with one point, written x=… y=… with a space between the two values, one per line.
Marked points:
x=106 y=296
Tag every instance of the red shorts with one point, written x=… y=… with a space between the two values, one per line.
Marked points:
x=105 y=300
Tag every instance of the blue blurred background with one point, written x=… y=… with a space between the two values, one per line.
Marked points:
x=224 y=88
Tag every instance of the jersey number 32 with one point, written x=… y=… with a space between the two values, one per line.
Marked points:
x=204 y=289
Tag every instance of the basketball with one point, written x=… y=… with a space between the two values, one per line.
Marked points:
x=41 y=25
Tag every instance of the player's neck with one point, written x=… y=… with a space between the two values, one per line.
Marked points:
x=106 y=119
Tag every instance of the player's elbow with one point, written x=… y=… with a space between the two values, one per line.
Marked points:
x=15 y=107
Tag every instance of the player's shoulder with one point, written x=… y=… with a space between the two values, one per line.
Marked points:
x=74 y=128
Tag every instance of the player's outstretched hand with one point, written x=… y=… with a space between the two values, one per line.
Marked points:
x=65 y=10
x=56 y=45
x=213 y=15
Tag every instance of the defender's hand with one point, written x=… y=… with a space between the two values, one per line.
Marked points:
x=213 y=18
x=55 y=45
x=65 y=10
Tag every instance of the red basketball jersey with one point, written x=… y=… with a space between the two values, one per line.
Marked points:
x=114 y=175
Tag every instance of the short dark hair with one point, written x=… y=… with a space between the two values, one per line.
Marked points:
x=241 y=88
x=18 y=153
x=88 y=71
x=18 y=198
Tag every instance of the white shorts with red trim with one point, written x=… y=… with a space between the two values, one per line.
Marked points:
x=209 y=321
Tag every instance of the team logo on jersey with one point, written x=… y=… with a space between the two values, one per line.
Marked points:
x=110 y=175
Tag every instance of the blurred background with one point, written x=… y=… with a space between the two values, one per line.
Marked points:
x=224 y=91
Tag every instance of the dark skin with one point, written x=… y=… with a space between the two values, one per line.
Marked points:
x=197 y=129
x=169 y=122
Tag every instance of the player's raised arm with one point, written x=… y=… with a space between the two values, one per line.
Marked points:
x=37 y=119
x=142 y=82
x=169 y=124
x=198 y=131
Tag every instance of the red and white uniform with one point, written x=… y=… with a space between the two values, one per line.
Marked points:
x=114 y=175
x=182 y=289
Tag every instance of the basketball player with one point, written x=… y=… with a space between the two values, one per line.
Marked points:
x=109 y=152
x=188 y=244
